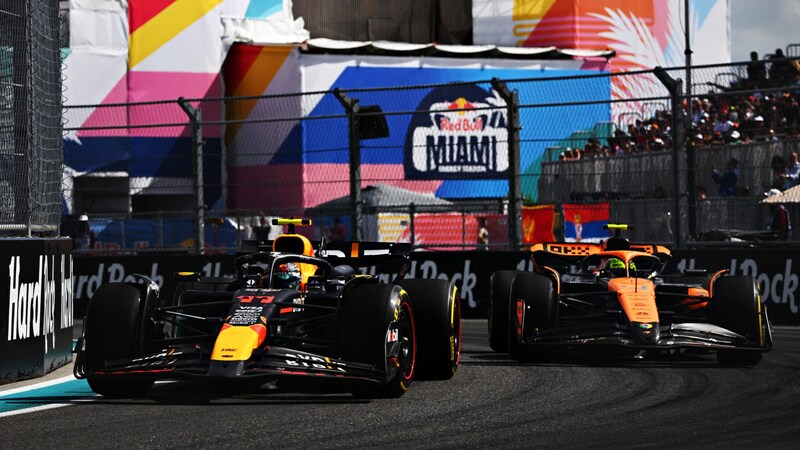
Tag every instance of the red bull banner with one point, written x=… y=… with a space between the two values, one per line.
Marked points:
x=538 y=224
x=584 y=223
x=459 y=137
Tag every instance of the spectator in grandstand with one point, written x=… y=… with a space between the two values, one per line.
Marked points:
x=722 y=123
x=789 y=112
x=84 y=236
x=760 y=132
x=702 y=194
x=261 y=232
x=782 y=71
x=248 y=227
x=778 y=219
x=733 y=138
x=792 y=173
x=726 y=181
x=483 y=235
x=756 y=71
x=337 y=231
x=779 y=181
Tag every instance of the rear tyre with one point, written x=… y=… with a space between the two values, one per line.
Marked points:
x=113 y=327
x=531 y=311
x=437 y=315
x=500 y=292
x=737 y=307
x=376 y=326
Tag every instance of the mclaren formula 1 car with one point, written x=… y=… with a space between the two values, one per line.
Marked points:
x=292 y=313
x=613 y=296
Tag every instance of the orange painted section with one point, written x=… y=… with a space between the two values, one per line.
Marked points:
x=637 y=297
x=696 y=292
x=249 y=71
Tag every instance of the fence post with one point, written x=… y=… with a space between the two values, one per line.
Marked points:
x=675 y=91
x=514 y=188
x=195 y=117
x=352 y=108
x=412 y=212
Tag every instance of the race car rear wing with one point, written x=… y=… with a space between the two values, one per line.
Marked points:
x=560 y=253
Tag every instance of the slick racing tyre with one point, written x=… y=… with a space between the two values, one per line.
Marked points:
x=500 y=291
x=437 y=314
x=737 y=307
x=376 y=326
x=113 y=332
x=531 y=311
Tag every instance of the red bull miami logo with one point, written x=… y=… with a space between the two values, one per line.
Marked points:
x=463 y=136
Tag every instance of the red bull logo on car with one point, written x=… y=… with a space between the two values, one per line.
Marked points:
x=462 y=135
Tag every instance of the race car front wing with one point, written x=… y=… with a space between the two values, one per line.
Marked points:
x=192 y=361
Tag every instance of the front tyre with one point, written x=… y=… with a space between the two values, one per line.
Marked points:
x=531 y=311
x=437 y=314
x=376 y=326
x=737 y=307
x=112 y=331
x=500 y=292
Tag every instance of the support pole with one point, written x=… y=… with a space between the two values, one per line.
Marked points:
x=514 y=188
x=675 y=91
x=356 y=205
x=690 y=151
x=195 y=118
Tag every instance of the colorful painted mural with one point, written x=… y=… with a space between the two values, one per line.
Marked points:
x=457 y=149
x=644 y=33
x=156 y=51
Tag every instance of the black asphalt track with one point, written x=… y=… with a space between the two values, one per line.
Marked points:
x=493 y=402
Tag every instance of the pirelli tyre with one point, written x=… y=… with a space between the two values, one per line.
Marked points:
x=437 y=316
x=500 y=291
x=737 y=307
x=376 y=326
x=112 y=331
x=531 y=311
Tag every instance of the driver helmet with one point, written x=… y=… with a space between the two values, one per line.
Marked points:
x=286 y=276
x=616 y=263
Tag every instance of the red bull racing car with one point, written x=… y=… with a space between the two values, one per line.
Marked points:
x=292 y=312
x=613 y=296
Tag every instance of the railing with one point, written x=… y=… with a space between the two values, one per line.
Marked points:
x=260 y=164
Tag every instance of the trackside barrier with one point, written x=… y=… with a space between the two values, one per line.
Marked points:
x=43 y=290
x=775 y=269
x=36 y=307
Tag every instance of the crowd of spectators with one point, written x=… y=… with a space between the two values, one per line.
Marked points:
x=763 y=106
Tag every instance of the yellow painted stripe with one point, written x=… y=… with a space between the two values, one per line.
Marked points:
x=165 y=26
x=760 y=323
x=531 y=9
x=453 y=309
x=255 y=82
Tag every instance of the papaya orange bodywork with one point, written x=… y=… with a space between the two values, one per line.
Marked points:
x=637 y=296
x=696 y=292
